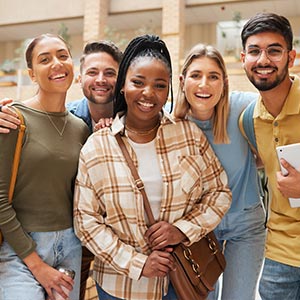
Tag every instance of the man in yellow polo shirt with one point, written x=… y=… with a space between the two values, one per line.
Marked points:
x=267 y=56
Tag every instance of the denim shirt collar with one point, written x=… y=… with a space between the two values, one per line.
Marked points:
x=80 y=109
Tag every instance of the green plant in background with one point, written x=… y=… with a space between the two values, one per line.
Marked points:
x=121 y=39
x=237 y=17
x=20 y=53
x=115 y=36
x=63 y=32
x=8 y=66
x=11 y=65
x=145 y=30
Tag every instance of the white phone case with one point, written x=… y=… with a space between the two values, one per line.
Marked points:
x=291 y=153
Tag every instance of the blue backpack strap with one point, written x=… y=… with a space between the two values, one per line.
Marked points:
x=246 y=125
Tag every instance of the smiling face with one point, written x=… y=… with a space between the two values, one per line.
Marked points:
x=52 y=65
x=264 y=73
x=203 y=85
x=98 y=77
x=146 y=90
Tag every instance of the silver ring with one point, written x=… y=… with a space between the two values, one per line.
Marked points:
x=1 y=107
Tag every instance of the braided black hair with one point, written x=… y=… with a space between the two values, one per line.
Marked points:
x=141 y=46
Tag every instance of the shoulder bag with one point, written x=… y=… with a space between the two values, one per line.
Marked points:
x=199 y=265
x=16 y=161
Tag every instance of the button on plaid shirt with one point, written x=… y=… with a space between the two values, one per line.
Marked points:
x=109 y=215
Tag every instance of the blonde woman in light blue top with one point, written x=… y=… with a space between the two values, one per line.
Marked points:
x=204 y=98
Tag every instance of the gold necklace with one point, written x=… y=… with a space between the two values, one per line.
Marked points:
x=142 y=132
x=60 y=132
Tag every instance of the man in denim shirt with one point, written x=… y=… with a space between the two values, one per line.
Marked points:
x=98 y=72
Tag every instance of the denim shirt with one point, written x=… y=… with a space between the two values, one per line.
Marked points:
x=80 y=109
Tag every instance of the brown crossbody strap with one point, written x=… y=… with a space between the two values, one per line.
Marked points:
x=17 y=156
x=138 y=181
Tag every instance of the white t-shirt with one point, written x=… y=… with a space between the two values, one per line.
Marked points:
x=149 y=171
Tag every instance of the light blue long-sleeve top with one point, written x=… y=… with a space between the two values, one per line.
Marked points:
x=236 y=157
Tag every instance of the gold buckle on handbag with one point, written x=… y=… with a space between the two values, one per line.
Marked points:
x=188 y=256
x=212 y=245
x=139 y=184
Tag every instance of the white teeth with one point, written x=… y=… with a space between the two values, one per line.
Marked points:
x=100 y=89
x=264 y=71
x=203 y=95
x=146 y=104
x=58 y=76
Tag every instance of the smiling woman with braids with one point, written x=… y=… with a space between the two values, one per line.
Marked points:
x=184 y=181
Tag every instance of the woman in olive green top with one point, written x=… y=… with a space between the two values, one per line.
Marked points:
x=37 y=227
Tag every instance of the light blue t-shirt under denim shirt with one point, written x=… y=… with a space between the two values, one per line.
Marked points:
x=243 y=226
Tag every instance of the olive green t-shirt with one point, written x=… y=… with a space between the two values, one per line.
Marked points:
x=43 y=195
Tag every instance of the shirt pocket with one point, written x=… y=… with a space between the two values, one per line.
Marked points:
x=191 y=182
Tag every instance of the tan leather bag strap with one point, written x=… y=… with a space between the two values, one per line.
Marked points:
x=17 y=156
x=138 y=181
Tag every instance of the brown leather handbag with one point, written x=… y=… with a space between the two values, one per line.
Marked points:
x=198 y=266
x=16 y=161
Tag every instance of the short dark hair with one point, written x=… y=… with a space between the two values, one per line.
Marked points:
x=142 y=46
x=268 y=22
x=101 y=46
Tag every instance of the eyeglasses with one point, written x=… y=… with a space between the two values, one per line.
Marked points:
x=273 y=53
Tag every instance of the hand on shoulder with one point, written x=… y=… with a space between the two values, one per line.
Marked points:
x=8 y=117
x=102 y=123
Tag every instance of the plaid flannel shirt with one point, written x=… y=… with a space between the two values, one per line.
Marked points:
x=109 y=215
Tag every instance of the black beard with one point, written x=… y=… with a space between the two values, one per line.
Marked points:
x=262 y=84
x=265 y=86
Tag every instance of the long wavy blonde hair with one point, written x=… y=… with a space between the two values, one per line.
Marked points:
x=182 y=106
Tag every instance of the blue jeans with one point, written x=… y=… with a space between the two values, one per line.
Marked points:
x=57 y=248
x=279 y=281
x=244 y=236
x=105 y=296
